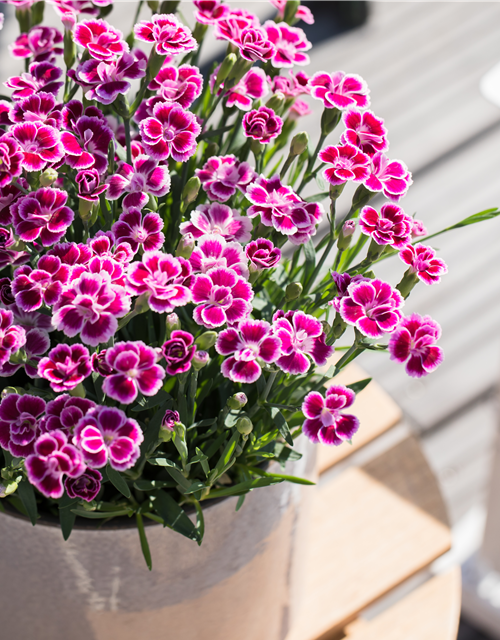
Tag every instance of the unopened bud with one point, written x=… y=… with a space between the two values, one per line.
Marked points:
x=326 y=328
x=375 y=251
x=200 y=360
x=153 y=202
x=169 y=6
x=19 y=357
x=7 y=488
x=299 y=143
x=48 y=177
x=78 y=391
x=206 y=340
x=167 y=425
x=293 y=291
x=237 y=72
x=339 y=326
x=329 y=120
x=172 y=323
x=185 y=246
x=346 y=233
x=141 y=304
x=69 y=45
x=244 y=426
x=85 y=209
x=155 y=63
x=256 y=147
x=237 y=401
x=276 y=102
x=290 y=11
x=224 y=69
x=190 y=192
x=8 y=390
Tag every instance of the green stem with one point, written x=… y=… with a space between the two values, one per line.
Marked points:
x=318 y=267
x=126 y=122
x=136 y=17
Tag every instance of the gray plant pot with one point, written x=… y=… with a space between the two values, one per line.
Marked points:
x=241 y=583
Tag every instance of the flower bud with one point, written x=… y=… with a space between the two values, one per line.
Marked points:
x=8 y=390
x=6 y=488
x=85 y=209
x=293 y=291
x=346 y=233
x=329 y=120
x=237 y=72
x=172 y=322
x=78 y=391
x=226 y=66
x=244 y=426
x=299 y=143
x=169 y=6
x=410 y=279
x=276 y=102
x=69 y=48
x=256 y=147
x=48 y=177
x=155 y=63
x=206 y=340
x=326 y=328
x=190 y=192
x=185 y=247
x=375 y=251
x=238 y=401
x=141 y=304
x=200 y=360
x=290 y=11
x=19 y=357
x=339 y=327
x=167 y=425
x=154 y=5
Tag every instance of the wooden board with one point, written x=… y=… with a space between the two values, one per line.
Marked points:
x=431 y=612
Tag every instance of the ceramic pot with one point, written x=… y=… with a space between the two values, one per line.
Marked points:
x=241 y=583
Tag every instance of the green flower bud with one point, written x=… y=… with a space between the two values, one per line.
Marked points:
x=8 y=390
x=19 y=357
x=78 y=391
x=244 y=426
x=190 y=192
x=339 y=327
x=85 y=209
x=276 y=102
x=185 y=247
x=346 y=233
x=206 y=340
x=37 y=11
x=375 y=251
x=329 y=120
x=238 y=401
x=200 y=360
x=256 y=147
x=165 y=434
x=48 y=177
x=237 y=72
x=326 y=328
x=173 y=323
x=169 y=6
x=410 y=279
x=155 y=63
x=7 y=488
x=225 y=68
x=153 y=203
x=299 y=143
x=293 y=291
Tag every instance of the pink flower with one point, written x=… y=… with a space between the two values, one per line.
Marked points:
x=89 y=187
x=302 y=13
x=170 y=132
x=413 y=342
x=221 y=296
x=65 y=366
x=43 y=285
x=6 y=295
x=63 y=413
x=342 y=282
x=170 y=417
x=218 y=219
x=262 y=254
x=169 y=36
x=251 y=340
x=262 y=124
x=42 y=214
x=37 y=343
x=9 y=256
x=348 y=163
x=178 y=351
x=136 y=370
x=42 y=76
x=90 y=307
x=39 y=144
x=214 y=251
x=210 y=11
x=162 y=277
x=292 y=85
x=12 y=337
x=85 y=487
x=290 y=44
x=231 y=26
x=88 y=144
x=299 y=109
x=31 y=320
x=389 y=176
x=418 y=229
x=373 y=306
x=221 y=176
x=102 y=41
x=41 y=43
x=39 y=107
x=72 y=254
x=254 y=44
x=339 y=90
x=423 y=262
x=301 y=335
x=139 y=232
x=19 y=423
x=252 y=86
x=8 y=195
x=106 y=434
x=324 y=421
x=53 y=458
x=181 y=85
x=11 y=159
x=145 y=177
x=365 y=131
x=391 y=226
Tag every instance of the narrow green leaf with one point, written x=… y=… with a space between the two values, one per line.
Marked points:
x=144 y=541
x=149 y=403
x=26 y=493
x=318 y=197
x=67 y=520
x=118 y=481
x=200 y=521
x=151 y=485
x=310 y=254
x=240 y=502
x=359 y=386
x=101 y=515
x=174 y=515
x=173 y=470
x=281 y=423
x=224 y=461
x=294 y=479
x=244 y=487
x=202 y=423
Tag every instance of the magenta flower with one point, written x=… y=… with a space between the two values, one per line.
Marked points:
x=178 y=352
x=339 y=90
x=365 y=131
x=11 y=160
x=299 y=109
x=210 y=11
x=342 y=282
x=170 y=418
x=99 y=364
x=373 y=306
x=391 y=226
x=8 y=195
x=105 y=434
x=290 y=44
x=66 y=366
x=40 y=43
x=42 y=214
x=85 y=487
x=252 y=86
x=389 y=176
x=144 y=177
x=171 y=131
x=37 y=343
x=419 y=229
x=73 y=254
x=6 y=295
x=162 y=277
x=324 y=421
x=89 y=186
x=102 y=41
x=254 y=44
x=88 y=144
x=39 y=107
x=138 y=231
x=12 y=337
x=221 y=176
x=218 y=219
x=413 y=342
x=53 y=458
x=31 y=320
x=42 y=76
x=39 y=144
x=347 y=163
x=136 y=370
x=262 y=254
x=214 y=251
x=178 y=84
x=33 y=287
x=19 y=423
x=231 y=26
x=262 y=124
x=292 y=85
x=301 y=336
x=252 y=340
x=423 y=262
x=64 y=413
x=169 y=36
x=90 y=307
x=302 y=13
x=9 y=257
x=221 y=296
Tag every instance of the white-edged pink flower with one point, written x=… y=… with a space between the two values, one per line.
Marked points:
x=42 y=214
x=178 y=84
x=290 y=44
x=19 y=423
x=413 y=342
x=142 y=232
x=11 y=160
x=221 y=297
x=365 y=131
x=302 y=337
x=262 y=254
x=65 y=366
x=218 y=219
x=169 y=36
x=324 y=421
x=12 y=337
x=146 y=176
x=210 y=11
x=373 y=307
x=40 y=43
x=87 y=145
x=342 y=282
x=42 y=76
x=391 y=226
x=39 y=144
x=389 y=176
x=340 y=90
x=252 y=341
x=43 y=285
x=422 y=261
x=102 y=41
x=179 y=352
x=213 y=251
x=346 y=162
x=222 y=176
x=302 y=13
x=36 y=345
x=39 y=107
x=252 y=86
x=262 y=124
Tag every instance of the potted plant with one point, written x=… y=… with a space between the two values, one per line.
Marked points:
x=169 y=308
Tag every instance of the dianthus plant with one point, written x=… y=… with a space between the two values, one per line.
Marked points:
x=172 y=284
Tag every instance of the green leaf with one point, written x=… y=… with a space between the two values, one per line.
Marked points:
x=174 y=471
x=144 y=541
x=152 y=485
x=244 y=487
x=67 y=520
x=281 y=423
x=202 y=459
x=318 y=197
x=200 y=521
x=294 y=479
x=214 y=132
x=101 y=515
x=26 y=493
x=487 y=214
x=202 y=423
x=226 y=459
x=118 y=481
x=174 y=515
x=240 y=502
x=359 y=386
x=159 y=398
x=285 y=407
x=310 y=253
